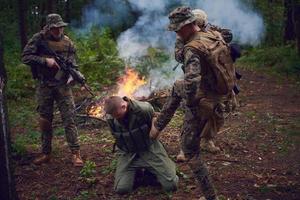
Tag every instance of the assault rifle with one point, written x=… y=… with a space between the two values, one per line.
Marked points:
x=69 y=68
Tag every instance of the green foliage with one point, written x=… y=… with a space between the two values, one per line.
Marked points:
x=112 y=167
x=282 y=60
x=88 y=170
x=19 y=145
x=154 y=59
x=59 y=131
x=21 y=142
x=273 y=15
x=86 y=195
x=98 y=57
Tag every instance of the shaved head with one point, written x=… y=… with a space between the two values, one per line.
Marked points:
x=115 y=106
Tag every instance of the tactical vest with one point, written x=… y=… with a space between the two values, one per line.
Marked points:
x=62 y=47
x=217 y=70
x=135 y=140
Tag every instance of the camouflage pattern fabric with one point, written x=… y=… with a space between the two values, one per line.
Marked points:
x=201 y=105
x=180 y=17
x=176 y=99
x=50 y=90
x=62 y=95
x=54 y=20
x=194 y=128
x=34 y=55
x=179 y=44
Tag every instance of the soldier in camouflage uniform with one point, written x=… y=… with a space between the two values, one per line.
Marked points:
x=53 y=84
x=201 y=21
x=203 y=95
x=174 y=101
x=130 y=122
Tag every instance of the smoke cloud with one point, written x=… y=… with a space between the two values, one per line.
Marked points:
x=150 y=28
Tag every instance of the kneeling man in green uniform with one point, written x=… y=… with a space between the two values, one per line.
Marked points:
x=130 y=122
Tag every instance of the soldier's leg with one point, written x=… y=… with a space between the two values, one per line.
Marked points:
x=45 y=109
x=65 y=103
x=181 y=157
x=125 y=174
x=124 y=181
x=214 y=123
x=167 y=185
x=190 y=144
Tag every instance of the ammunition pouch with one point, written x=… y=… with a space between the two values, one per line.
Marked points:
x=136 y=140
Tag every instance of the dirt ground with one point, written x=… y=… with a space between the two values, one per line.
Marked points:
x=259 y=156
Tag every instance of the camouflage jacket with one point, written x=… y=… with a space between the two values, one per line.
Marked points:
x=179 y=44
x=35 y=54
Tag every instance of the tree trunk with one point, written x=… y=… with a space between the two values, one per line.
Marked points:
x=42 y=14
x=22 y=22
x=7 y=184
x=296 y=20
x=289 y=33
x=50 y=6
x=67 y=11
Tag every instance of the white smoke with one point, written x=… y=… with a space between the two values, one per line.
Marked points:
x=246 y=25
x=150 y=28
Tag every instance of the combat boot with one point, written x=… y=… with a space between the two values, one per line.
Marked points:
x=76 y=159
x=181 y=157
x=208 y=145
x=44 y=158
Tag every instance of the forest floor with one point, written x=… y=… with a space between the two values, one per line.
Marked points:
x=259 y=158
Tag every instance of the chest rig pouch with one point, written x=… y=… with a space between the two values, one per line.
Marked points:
x=134 y=140
x=62 y=47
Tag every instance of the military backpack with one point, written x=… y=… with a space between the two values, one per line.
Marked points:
x=215 y=55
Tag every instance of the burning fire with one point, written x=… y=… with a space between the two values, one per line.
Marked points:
x=128 y=84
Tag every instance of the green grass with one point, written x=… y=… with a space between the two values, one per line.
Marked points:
x=282 y=60
x=89 y=169
x=110 y=168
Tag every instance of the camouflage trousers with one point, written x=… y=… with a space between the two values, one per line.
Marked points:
x=205 y=118
x=62 y=95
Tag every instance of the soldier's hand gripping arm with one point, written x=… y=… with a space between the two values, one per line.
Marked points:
x=169 y=108
x=154 y=132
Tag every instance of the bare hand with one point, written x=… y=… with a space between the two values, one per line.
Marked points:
x=51 y=63
x=154 y=133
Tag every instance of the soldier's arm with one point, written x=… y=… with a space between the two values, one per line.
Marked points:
x=168 y=110
x=147 y=112
x=192 y=76
x=71 y=51
x=30 y=55
x=179 y=50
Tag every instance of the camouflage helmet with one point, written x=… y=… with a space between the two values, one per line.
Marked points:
x=180 y=17
x=201 y=17
x=54 y=20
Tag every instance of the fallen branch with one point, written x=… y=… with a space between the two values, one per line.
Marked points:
x=90 y=116
x=222 y=131
x=224 y=160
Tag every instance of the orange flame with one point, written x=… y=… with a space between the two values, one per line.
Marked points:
x=128 y=84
